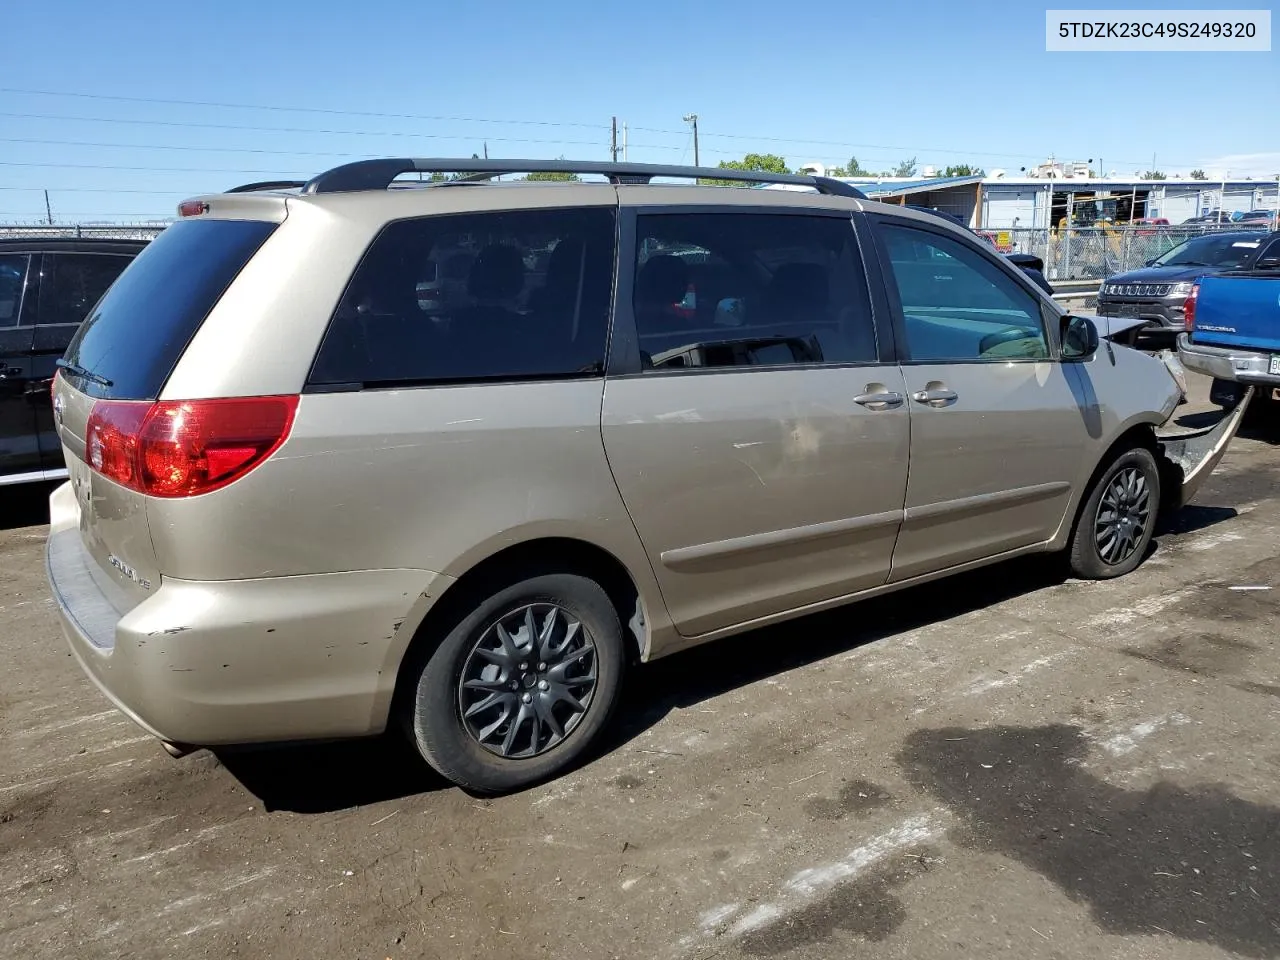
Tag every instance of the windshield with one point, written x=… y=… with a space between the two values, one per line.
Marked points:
x=1224 y=250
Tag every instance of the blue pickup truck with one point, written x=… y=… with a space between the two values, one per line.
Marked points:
x=1233 y=335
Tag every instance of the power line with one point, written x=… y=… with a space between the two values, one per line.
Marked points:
x=290 y=153
x=102 y=166
x=282 y=109
x=155 y=193
x=458 y=119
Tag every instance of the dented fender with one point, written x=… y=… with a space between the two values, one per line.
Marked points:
x=1190 y=458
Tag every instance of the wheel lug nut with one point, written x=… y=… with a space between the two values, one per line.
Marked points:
x=524 y=666
x=514 y=685
x=542 y=666
x=527 y=698
x=543 y=685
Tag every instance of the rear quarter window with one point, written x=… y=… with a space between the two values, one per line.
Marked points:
x=134 y=336
x=511 y=295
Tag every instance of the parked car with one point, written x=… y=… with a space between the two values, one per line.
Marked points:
x=1250 y=217
x=1149 y=226
x=1233 y=333
x=46 y=288
x=1157 y=293
x=297 y=510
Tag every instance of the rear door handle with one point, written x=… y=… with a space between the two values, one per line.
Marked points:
x=936 y=397
x=881 y=400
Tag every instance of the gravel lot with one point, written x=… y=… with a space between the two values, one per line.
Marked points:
x=1004 y=763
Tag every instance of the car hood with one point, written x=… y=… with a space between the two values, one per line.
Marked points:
x=1164 y=274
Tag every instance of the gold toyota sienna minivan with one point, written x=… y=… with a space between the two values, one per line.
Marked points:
x=366 y=451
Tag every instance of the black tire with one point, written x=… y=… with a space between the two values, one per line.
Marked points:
x=450 y=744
x=1086 y=552
x=1225 y=394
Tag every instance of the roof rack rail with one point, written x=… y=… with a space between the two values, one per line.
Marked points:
x=378 y=174
x=268 y=185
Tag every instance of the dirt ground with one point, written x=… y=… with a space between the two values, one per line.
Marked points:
x=1001 y=764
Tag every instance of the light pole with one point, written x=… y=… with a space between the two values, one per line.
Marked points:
x=693 y=119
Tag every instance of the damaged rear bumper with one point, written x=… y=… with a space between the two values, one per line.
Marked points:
x=1191 y=457
x=241 y=661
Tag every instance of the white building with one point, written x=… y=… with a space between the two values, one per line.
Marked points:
x=1021 y=202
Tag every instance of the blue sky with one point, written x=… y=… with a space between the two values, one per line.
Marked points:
x=941 y=81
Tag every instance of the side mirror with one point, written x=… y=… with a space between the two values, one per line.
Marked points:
x=1079 y=338
x=1149 y=263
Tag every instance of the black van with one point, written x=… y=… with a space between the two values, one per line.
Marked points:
x=47 y=286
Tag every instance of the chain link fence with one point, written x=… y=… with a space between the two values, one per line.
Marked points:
x=1095 y=253
x=1077 y=253
x=85 y=231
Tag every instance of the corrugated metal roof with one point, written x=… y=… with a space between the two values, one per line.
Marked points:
x=898 y=188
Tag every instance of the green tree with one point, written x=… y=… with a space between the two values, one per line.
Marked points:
x=1153 y=175
x=1199 y=174
x=555 y=177
x=762 y=162
x=852 y=169
x=907 y=168
x=962 y=170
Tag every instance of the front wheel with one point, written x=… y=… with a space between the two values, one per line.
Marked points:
x=1116 y=524
x=521 y=686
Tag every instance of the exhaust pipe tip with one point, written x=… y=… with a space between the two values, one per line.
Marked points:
x=177 y=750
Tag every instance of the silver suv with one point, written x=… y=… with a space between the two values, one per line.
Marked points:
x=316 y=490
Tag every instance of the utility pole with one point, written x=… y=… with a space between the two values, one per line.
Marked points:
x=693 y=119
x=48 y=211
x=613 y=140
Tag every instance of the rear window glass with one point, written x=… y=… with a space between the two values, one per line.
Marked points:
x=476 y=297
x=136 y=333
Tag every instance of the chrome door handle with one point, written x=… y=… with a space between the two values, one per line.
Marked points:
x=936 y=397
x=882 y=400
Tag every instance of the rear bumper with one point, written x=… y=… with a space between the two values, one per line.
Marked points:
x=1227 y=363
x=241 y=661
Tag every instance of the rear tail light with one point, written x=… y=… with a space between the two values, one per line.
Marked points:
x=192 y=208
x=1189 y=309
x=182 y=448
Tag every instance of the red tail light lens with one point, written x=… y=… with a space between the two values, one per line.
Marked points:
x=182 y=448
x=1189 y=309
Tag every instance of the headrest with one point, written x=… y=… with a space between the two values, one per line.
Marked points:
x=497 y=274
x=662 y=281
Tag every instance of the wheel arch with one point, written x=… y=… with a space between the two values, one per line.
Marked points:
x=525 y=559
x=1138 y=434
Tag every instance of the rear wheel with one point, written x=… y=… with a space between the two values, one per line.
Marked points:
x=1116 y=524
x=521 y=685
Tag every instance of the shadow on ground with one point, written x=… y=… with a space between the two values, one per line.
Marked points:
x=323 y=777
x=1193 y=517
x=1261 y=421
x=715 y=668
x=318 y=778
x=1200 y=864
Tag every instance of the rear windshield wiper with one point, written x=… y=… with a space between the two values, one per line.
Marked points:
x=83 y=374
